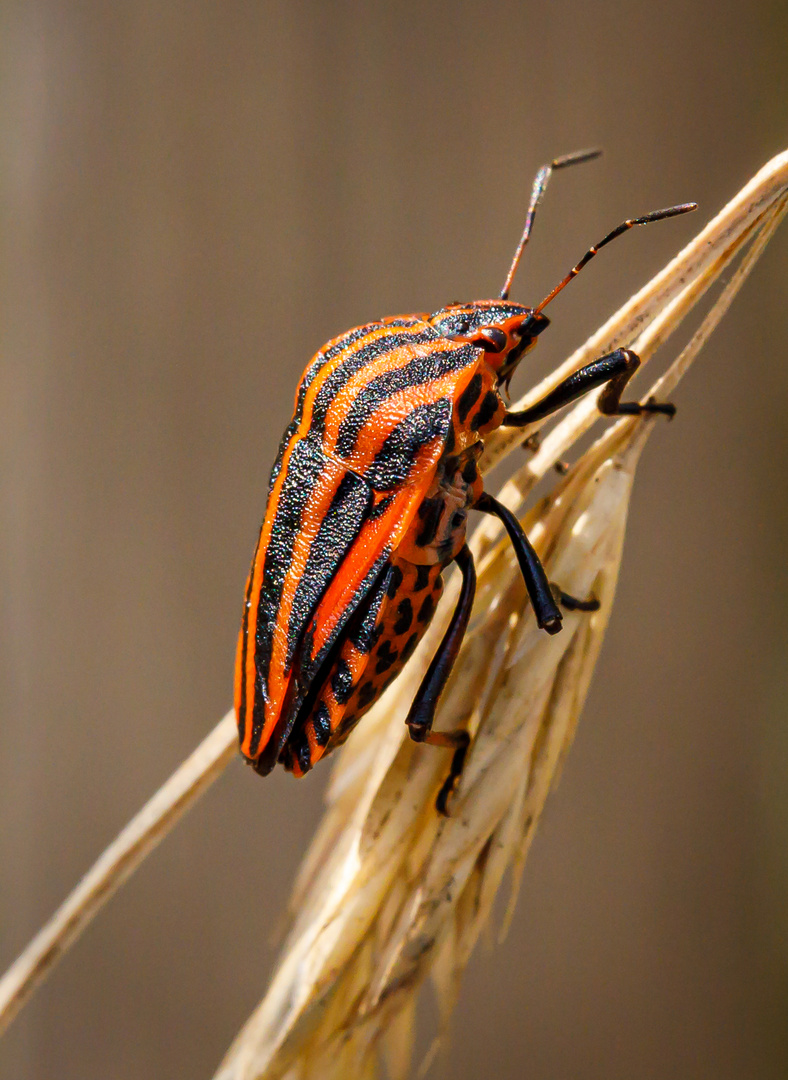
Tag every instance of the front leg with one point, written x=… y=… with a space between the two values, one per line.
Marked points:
x=615 y=370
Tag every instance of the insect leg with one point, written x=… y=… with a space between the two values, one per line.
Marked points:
x=615 y=369
x=545 y=595
x=422 y=711
x=572 y=603
x=543 y=599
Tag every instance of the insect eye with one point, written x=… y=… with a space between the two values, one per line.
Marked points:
x=462 y=327
x=492 y=339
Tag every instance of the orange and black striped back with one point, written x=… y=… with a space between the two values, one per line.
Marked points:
x=373 y=414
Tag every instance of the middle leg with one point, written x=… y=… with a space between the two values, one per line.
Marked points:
x=545 y=596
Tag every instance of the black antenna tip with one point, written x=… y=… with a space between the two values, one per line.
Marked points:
x=672 y=211
x=575 y=159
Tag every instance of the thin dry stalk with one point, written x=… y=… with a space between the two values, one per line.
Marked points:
x=389 y=892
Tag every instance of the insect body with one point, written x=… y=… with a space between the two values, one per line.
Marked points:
x=368 y=504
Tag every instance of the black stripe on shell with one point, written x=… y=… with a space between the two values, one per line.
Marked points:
x=358 y=359
x=307 y=463
x=342 y=683
x=395 y=580
x=409 y=645
x=394 y=461
x=419 y=371
x=338 y=529
x=427 y=609
x=364 y=632
x=321 y=725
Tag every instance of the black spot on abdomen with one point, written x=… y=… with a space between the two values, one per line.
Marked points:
x=422 y=577
x=386 y=656
x=366 y=695
x=410 y=645
x=404 y=617
x=426 y=610
x=430 y=513
x=487 y=410
x=469 y=397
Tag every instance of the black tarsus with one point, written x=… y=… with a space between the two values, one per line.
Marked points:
x=463 y=741
x=615 y=369
x=573 y=603
x=548 y=615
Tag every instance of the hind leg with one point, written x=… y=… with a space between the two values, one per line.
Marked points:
x=422 y=711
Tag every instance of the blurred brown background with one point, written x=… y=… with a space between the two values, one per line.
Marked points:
x=196 y=196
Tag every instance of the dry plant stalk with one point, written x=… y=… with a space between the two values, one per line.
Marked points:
x=390 y=893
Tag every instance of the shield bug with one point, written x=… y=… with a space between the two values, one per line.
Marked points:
x=368 y=503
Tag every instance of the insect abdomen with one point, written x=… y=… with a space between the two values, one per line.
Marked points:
x=368 y=663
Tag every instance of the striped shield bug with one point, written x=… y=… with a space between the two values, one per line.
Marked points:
x=368 y=503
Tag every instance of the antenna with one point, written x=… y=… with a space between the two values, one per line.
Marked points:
x=538 y=190
x=655 y=215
